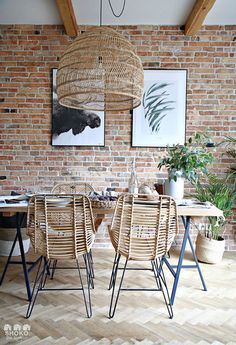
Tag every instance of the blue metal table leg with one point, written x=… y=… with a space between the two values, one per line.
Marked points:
x=24 y=265
x=33 y=264
x=164 y=260
x=8 y=259
x=197 y=264
x=181 y=257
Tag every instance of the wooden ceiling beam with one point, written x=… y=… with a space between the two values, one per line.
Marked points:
x=197 y=16
x=67 y=14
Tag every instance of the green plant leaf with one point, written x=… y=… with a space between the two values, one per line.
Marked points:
x=191 y=159
x=156 y=87
x=221 y=192
x=157 y=96
x=157 y=123
x=155 y=104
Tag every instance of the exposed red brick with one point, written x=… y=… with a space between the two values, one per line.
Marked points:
x=27 y=157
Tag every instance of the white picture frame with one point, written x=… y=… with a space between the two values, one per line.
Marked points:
x=160 y=120
x=74 y=127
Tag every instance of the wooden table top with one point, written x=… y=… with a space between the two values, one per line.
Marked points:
x=194 y=211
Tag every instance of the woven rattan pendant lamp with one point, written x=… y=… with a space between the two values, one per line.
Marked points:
x=100 y=71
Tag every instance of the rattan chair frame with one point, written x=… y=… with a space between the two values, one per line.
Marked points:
x=73 y=188
x=142 y=230
x=61 y=227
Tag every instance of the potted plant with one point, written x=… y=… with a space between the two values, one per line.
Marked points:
x=221 y=192
x=230 y=143
x=186 y=162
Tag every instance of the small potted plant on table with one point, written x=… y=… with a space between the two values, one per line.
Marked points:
x=186 y=162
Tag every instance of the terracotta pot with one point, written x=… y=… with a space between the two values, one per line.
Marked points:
x=208 y=250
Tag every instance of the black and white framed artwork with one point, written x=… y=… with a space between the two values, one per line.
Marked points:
x=75 y=127
x=160 y=120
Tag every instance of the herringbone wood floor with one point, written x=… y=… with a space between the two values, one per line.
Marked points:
x=59 y=317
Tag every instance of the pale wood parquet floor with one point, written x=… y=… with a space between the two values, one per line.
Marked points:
x=200 y=317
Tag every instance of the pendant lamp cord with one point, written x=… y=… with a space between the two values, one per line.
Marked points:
x=100 y=12
x=112 y=10
x=121 y=12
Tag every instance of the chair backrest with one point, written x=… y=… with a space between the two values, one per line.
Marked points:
x=143 y=229
x=60 y=226
x=73 y=188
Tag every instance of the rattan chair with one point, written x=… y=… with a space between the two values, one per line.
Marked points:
x=61 y=227
x=142 y=230
x=73 y=188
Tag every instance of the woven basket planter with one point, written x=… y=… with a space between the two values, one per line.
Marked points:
x=7 y=236
x=208 y=250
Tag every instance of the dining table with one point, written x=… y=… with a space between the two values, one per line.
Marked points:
x=187 y=210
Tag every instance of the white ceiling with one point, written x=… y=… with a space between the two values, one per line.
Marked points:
x=156 y=12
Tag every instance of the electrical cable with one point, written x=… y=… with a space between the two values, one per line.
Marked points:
x=100 y=12
x=113 y=12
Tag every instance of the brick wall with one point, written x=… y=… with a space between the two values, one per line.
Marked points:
x=28 y=53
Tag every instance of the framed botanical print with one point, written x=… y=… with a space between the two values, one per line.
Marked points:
x=160 y=120
x=75 y=127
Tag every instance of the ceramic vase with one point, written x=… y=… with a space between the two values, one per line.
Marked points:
x=175 y=188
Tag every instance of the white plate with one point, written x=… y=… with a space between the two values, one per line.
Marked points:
x=58 y=201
